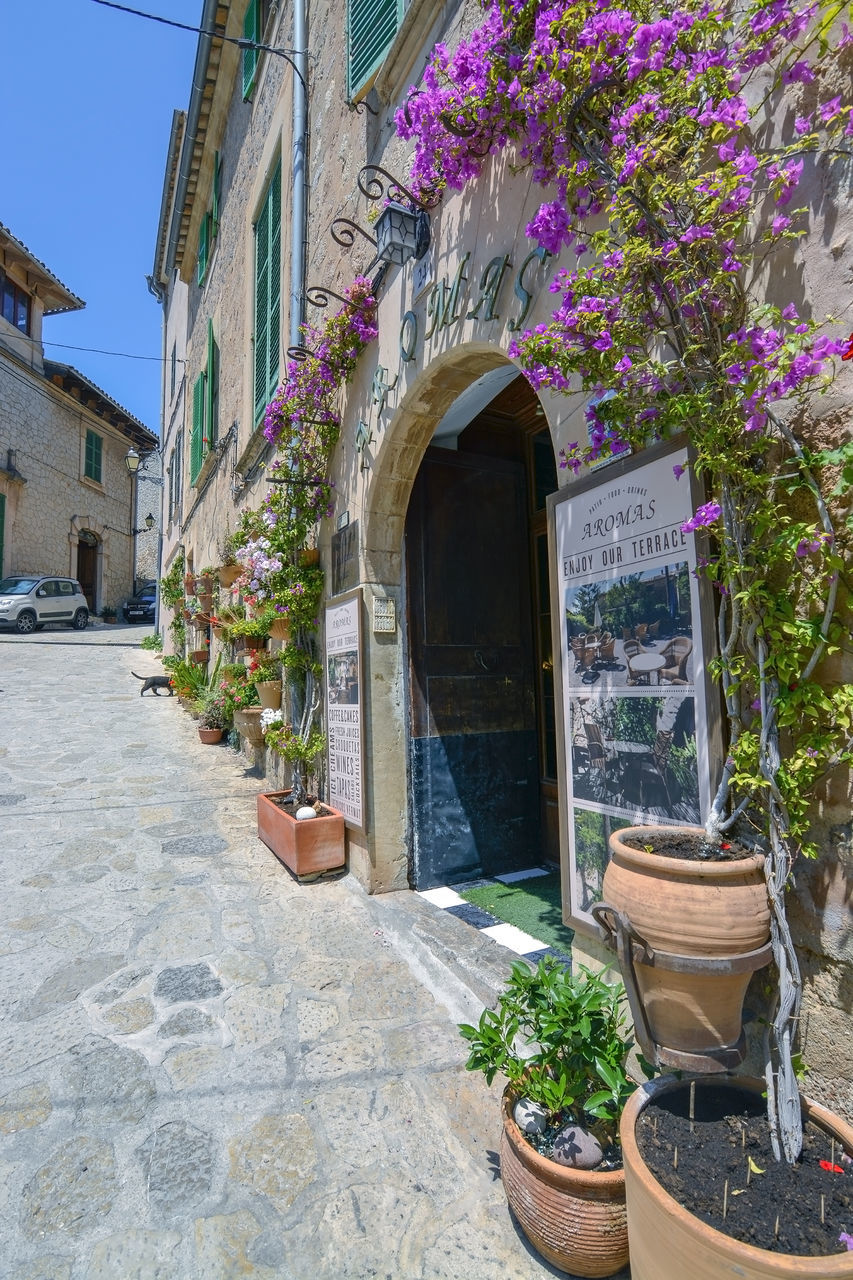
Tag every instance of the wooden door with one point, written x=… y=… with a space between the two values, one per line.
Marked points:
x=86 y=564
x=473 y=738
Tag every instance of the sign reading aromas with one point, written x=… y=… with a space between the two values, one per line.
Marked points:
x=343 y=708
x=632 y=671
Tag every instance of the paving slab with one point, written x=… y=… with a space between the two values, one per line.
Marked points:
x=208 y=1070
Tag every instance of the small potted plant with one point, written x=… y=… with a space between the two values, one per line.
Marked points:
x=108 y=613
x=229 y=570
x=561 y=1041
x=215 y=717
x=267 y=678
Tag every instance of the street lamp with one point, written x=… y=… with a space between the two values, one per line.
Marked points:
x=401 y=233
x=147 y=525
x=132 y=461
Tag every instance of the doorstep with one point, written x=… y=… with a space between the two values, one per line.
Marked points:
x=503 y=934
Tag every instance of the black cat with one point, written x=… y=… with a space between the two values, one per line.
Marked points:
x=156 y=683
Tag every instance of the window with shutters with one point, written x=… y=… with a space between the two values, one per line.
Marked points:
x=371 y=27
x=197 y=449
x=93 y=461
x=254 y=25
x=267 y=295
x=176 y=478
x=203 y=247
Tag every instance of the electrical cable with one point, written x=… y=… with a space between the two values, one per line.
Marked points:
x=126 y=355
x=240 y=41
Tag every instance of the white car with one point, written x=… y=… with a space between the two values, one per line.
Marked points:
x=28 y=601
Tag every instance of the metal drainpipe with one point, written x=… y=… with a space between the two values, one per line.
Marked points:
x=208 y=22
x=300 y=176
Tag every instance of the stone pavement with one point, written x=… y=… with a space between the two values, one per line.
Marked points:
x=207 y=1070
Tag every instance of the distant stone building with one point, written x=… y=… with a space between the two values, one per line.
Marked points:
x=67 y=502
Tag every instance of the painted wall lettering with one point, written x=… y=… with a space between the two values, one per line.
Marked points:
x=521 y=291
x=490 y=283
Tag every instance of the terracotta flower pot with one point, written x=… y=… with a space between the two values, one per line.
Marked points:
x=269 y=692
x=317 y=844
x=574 y=1217
x=248 y=724
x=228 y=574
x=200 y=655
x=210 y=736
x=698 y=930
x=280 y=630
x=668 y=1243
x=309 y=555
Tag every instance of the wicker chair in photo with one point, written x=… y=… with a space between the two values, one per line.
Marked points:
x=676 y=654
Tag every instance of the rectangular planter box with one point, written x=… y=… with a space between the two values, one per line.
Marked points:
x=316 y=844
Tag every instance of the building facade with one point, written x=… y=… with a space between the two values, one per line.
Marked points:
x=67 y=503
x=447 y=458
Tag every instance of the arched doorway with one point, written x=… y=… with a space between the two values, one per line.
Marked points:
x=482 y=747
x=87 y=565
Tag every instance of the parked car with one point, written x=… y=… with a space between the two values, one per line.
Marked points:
x=140 y=608
x=28 y=601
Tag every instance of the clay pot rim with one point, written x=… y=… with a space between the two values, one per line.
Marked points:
x=790 y=1266
x=678 y=868
x=286 y=791
x=607 y=1184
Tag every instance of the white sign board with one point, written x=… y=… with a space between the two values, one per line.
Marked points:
x=632 y=669
x=343 y=708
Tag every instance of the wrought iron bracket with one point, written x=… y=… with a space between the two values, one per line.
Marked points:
x=371 y=185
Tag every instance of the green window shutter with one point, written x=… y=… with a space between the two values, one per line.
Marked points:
x=94 y=456
x=197 y=438
x=251 y=23
x=2 y=528
x=212 y=390
x=267 y=294
x=203 y=246
x=371 y=26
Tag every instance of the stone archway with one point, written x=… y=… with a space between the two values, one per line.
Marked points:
x=382 y=860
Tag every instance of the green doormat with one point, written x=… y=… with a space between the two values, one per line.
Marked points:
x=534 y=905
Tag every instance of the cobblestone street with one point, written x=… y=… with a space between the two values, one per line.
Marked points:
x=209 y=1070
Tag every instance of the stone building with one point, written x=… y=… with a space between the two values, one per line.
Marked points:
x=67 y=503
x=446 y=458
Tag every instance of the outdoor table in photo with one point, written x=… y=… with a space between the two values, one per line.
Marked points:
x=643 y=664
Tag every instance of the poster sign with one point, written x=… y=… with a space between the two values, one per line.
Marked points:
x=632 y=672
x=343 y=708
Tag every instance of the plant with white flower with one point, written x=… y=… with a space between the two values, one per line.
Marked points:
x=270 y=718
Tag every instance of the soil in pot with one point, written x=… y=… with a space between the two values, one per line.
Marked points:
x=688 y=847
x=728 y=1142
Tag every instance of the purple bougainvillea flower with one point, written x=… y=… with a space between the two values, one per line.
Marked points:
x=846 y=1240
x=705 y=515
x=678 y=471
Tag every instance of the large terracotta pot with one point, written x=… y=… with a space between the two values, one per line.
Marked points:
x=668 y=1243
x=269 y=692
x=317 y=844
x=575 y=1218
x=248 y=724
x=698 y=930
x=228 y=574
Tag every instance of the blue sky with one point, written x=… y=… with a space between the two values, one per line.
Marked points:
x=86 y=97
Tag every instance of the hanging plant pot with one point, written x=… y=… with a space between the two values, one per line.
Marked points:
x=248 y=724
x=269 y=692
x=280 y=630
x=209 y=736
x=228 y=574
x=200 y=655
x=253 y=642
x=667 y=1242
x=689 y=934
x=309 y=555
x=306 y=847
x=205 y=599
x=189 y=583
x=574 y=1217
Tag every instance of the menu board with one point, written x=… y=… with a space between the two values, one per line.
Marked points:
x=343 y=708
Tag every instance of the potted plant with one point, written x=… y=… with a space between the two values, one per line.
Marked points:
x=215 y=716
x=759 y=1220
x=267 y=678
x=561 y=1041
x=241 y=699
x=108 y=613
x=306 y=842
x=690 y=925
